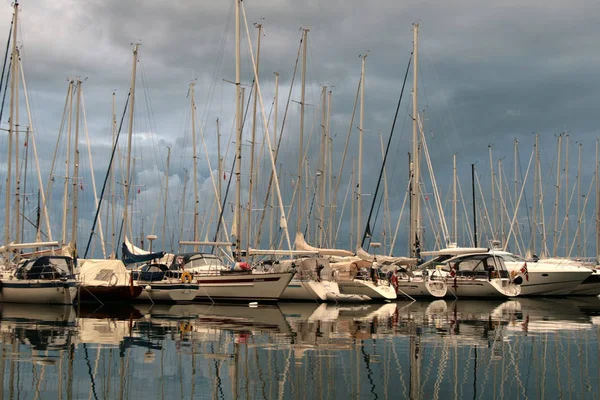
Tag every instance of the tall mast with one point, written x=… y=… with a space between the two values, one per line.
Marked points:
x=67 y=165
x=238 y=140
x=301 y=138
x=360 y=156
x=219 y=162
x=11 y=127
x=474 y=205
x=494 y=205
x=501 y=198
x=597 y=205
x=579 y=202
x=195 y=155
x=557 y=196
x=75 y=193
x=185 y=180
x=272 y=199
x=17 y=148
x=164 y=237
x=252 y=143
x=535 y=197
x=330 y=174
x=323 y=167
x=567 y=192
x=113 y=176
x=415 y=208
x=454 y=203
x=129 y=137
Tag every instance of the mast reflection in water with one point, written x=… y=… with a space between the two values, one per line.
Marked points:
x=525 y=348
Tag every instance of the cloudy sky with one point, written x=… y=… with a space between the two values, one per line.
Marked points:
x=488 y=74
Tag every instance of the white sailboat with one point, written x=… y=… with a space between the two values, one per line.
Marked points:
x=40 y=279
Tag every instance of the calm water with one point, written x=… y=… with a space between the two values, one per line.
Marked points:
x=542 y=348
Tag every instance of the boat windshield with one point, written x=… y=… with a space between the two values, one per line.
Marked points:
x=479 y=265
x=203 y=261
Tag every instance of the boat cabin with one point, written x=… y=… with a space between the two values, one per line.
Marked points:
x=46 y=267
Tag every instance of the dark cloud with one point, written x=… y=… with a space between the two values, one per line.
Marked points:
x=489 y=74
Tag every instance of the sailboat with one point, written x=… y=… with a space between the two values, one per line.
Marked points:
x=237 y=282
x=39 y=279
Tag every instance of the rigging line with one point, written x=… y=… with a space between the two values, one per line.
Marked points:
x=4 y=67
x=110 y=163
x=386 y=152
x=285 y=114
x=231 y=174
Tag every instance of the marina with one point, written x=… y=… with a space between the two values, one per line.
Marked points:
x=245 y=215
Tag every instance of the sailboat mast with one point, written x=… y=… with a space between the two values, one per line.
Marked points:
x=567 y=192
x=323 y=167
x=494 y=205
x=360 y=155
x=195 y=155
x=252 y=143
x=129 y=139
x=597 y=205
x=301 y=133
x=454 y=202
x=474 y=205
x=13 y=84
x=238 y=140
x=113 y=177
x=415 y=184
x=17 y=147
x=579 y=202
x=75 y=193
x=272 y=199
x=67 y=165
x=164 y=227
x=535 y=197
x=557 y=196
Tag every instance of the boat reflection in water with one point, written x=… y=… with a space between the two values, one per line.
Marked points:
x=520 y=348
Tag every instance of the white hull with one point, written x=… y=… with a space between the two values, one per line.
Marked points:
x=557 y=283
x=334 y=295
x=550 y=277
x=589 y=287
x=168 y=292
x=480 y=288
x=383 y=291
x=420 y=288
x=238 y=287
x=38 y=291
x=300 y=289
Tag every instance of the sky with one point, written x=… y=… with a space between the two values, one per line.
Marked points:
x=489 y=74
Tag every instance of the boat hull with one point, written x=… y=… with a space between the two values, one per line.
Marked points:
x=554 y=283
x=360 y=287
x=422 y=288
x=589 y=287
x=334 y=294
x=307 y=289
x=38 y=291
x=483 y=289
x=243 y=287
x=109 y=294
x=168 y=292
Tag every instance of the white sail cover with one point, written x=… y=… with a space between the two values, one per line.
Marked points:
x=134 y=249
x=103 y=273
x=363 y=255
x=301 y=244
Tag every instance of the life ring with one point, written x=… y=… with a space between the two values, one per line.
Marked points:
x=186 y=277
x=114 y=282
